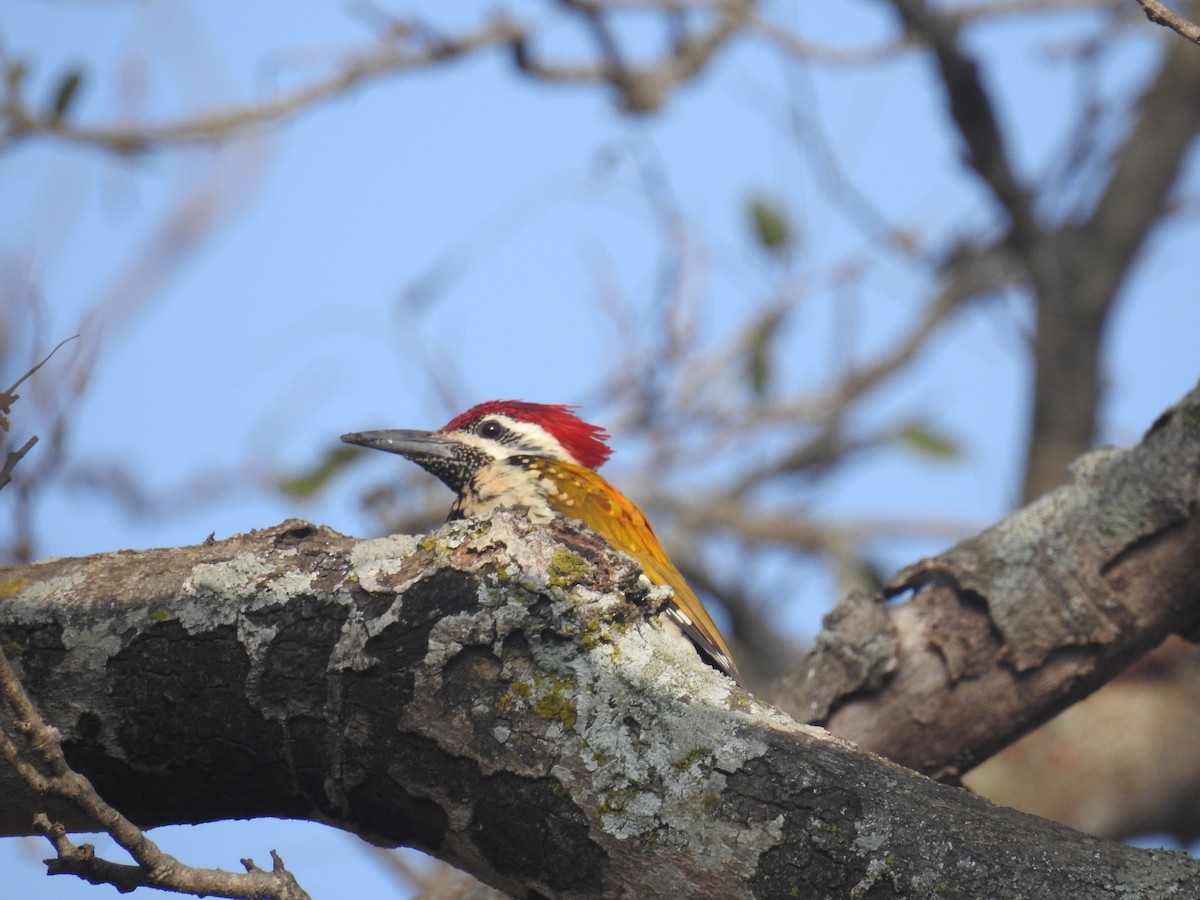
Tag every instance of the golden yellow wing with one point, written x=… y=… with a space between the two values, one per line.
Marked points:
x=586 y=496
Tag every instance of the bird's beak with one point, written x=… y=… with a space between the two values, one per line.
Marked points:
x=415 y=445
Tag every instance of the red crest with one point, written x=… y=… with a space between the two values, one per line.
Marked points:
x=583 y=441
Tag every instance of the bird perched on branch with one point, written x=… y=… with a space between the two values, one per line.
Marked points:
x=544 y=458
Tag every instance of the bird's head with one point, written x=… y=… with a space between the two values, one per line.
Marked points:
x=490 y=432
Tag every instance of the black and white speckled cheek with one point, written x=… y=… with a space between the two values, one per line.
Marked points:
x=456 y=471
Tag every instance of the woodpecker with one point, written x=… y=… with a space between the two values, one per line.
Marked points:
x=509 y=453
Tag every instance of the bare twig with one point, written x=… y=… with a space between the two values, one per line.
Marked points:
x=1161 y=14
x=869 y=54
x=10 y=395
x=389 y=57
x=154 y=867
x=406 y=45
x=12 y=458
x=7 y=398
x=827 y=408
x=643 y=88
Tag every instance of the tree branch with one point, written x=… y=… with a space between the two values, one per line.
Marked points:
x=7 y=399
x=1161 y=14
x=154 y=867
x=12 y=457
x=1077 y=270
x=494 y=694
x=407 y=46
x=972 y=113
x=641 y=88
x=1023 y=619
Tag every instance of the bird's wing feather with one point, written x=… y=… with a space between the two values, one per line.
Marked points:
x=586 y=496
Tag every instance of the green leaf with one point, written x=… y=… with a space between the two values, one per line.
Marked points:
x=770 y=226
x=305 y=485
x=758 y=361
x=65 y=93
x=922 y=438
x=17 y=70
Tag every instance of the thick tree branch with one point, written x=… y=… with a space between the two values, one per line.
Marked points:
x=1023 y=619
x=494 y=694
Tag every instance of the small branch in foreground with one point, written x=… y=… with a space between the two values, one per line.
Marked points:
x=154 y=867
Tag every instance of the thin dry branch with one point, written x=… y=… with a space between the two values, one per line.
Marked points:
x=12 y=458
x=829 y=407
x=407 y=46
x=641 y=88
x=155 y=868
x=7 y=399
x=1161 y=14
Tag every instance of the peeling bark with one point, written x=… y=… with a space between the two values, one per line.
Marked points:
x=494 y=694
x=1027 y=617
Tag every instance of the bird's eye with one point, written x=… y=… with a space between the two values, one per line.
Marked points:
x=489 y=428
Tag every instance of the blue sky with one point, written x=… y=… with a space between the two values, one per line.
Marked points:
x=286 y=325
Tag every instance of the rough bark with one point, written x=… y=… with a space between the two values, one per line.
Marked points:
x=494 y=694
x=1023 y=619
